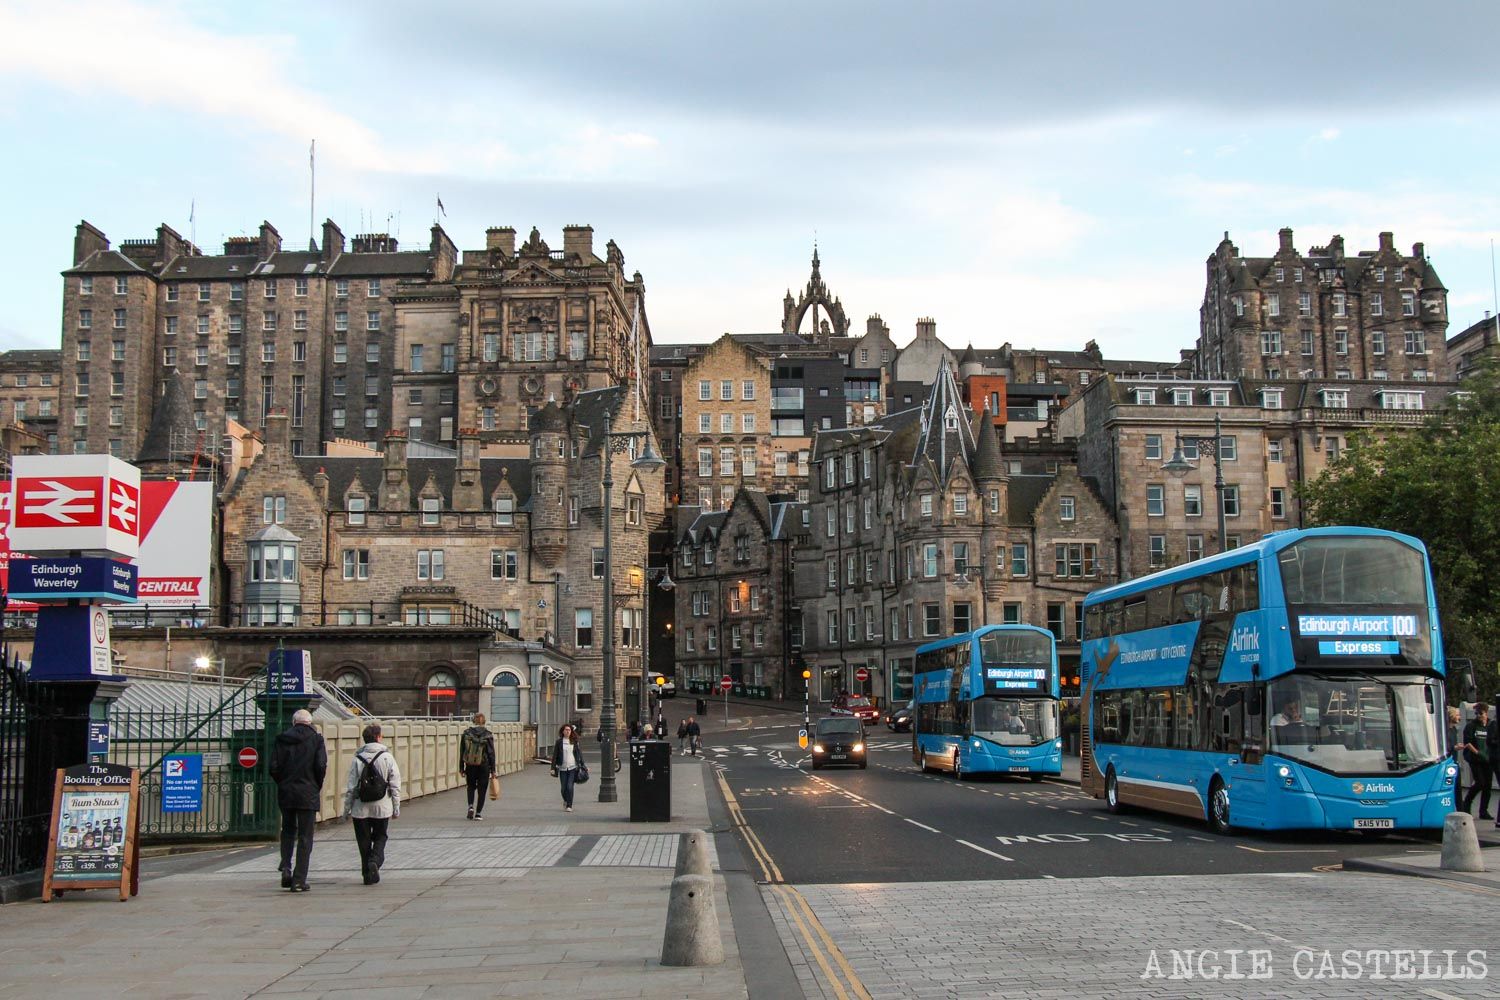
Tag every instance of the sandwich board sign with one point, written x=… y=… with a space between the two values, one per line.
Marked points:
x=94 y=840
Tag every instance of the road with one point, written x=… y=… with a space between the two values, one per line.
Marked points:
x=886 y=882
x=891 y=823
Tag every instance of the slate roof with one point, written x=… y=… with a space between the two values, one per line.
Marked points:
x=1023 y=494
x=786 y=520
x=987 y=463
x=186 y=268
x=173 y=412
x=107 y=262
x=402 y=263
x=941 y=440
x=596 y=409
x=291 y=263
x=342 y=471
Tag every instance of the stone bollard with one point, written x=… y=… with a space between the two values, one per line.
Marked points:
x=692 y=854
x=692 y=936
x=1461 y=844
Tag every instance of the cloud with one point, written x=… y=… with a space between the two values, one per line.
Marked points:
x=157 y=56
x=1326 y=135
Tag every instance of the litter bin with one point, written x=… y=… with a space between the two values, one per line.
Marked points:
x=650 y=781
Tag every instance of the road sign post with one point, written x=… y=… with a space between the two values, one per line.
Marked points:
x=806 y=719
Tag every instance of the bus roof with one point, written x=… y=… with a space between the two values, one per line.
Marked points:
x=954 y=640
x=1270 y=543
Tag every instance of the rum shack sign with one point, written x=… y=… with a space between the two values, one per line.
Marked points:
x=94 y=843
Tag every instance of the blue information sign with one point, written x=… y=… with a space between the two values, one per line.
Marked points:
x=182 y=783
x=289 y=672
x=87 y=578
x=98 y=742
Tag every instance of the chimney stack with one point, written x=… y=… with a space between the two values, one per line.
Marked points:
x=87 y=240
x=1419 y=251
x=501 y=239
x=467 y=492
x=578 y=240
x=278 y=434
x=395 y=489
x=333 y=240
x=1286 y=240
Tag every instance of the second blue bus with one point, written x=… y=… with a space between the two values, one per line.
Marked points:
x=987 y=703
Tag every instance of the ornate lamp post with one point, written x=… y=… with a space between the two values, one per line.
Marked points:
x=1178 y=466
x=615 y=442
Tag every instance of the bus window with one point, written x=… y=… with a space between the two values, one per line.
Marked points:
x=1378 y=571
x=1134 y=616
x=1107 y=716
x=1158 y=719
x=1185 y=719
x=1244 y=589
x=1133 y=717
x=1229 y=728
x=1158 y=607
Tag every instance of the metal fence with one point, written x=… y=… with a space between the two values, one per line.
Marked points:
x=238 y=800
x=23 y=834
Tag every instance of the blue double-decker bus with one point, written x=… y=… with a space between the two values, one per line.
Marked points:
x=1293 y=683
x=986 y=703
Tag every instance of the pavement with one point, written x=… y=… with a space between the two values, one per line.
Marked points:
x=530 y=902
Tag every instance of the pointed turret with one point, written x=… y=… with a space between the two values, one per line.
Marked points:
x=987 y=462
x=172 y=436
x=946 y=435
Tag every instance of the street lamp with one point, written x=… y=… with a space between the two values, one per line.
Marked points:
x=615 y=442
x=1178 y=466
x=202 y=663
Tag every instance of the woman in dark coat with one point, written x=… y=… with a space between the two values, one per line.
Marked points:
x=566 y=759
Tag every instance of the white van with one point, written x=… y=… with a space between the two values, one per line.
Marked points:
x=667 y=689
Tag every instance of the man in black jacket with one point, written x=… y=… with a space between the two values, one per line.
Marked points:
x=298 y=766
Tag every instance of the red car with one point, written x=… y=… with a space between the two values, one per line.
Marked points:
x=856 y=705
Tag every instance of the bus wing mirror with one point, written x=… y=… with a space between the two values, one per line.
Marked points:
x=1463 y=669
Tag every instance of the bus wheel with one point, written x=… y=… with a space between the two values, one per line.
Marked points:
x=923 y=761
x=1218 y=807
x=1112 y=793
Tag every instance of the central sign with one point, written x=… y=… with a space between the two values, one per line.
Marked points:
x=65 y=503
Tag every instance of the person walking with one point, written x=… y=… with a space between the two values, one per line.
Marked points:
x=695 y=734
x=476 y=762
x=682 y=736
x=298 y=766
x=566 y=760
x=372 y=798
x=1455 y=750
x=1477 y=752
x=1493 y=739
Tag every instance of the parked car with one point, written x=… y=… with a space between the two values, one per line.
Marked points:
x=899 y=720
x=838 y=740
x=667 y=689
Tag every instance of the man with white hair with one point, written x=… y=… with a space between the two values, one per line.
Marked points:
x=298 y=766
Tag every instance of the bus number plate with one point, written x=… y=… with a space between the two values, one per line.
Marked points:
x=1018 y=769
x=1374 y=824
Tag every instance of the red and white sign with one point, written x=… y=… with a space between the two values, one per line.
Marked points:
x=87 y=503
x=726 y=683
x=175 y=521
x=861 y=675
x=248 y=757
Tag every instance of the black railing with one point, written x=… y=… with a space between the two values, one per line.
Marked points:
x=23 y=829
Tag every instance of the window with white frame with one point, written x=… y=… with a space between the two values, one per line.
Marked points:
x=1156 y=550
x=1194 y=547
x=1156 y=500
x=1416 y=342
x=1192 y=501
x=1397 y=400
x=1145 y=397
x=1153 y=447
x=1182 y=397
x=1270 y=399
x=1408 y=303
x=583 y=628
x=1228 y=447
x=1335 y=399
x=1270 y=342
x=356 y=564
x=432 y=510
x=505 y=511
x=1218 y=397
x=1278 y=502
x=1274 y=450
x=430 y=564
x=1020 y=559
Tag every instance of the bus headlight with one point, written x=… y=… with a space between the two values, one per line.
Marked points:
x=1058 y=741
x=1451 y=773
x=1284 y=771
x=978 y=745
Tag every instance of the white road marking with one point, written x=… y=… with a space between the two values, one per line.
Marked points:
x=1203 y=839
x=986 y=850
x=888 y=812
x=922 y=825
x=1266 y=934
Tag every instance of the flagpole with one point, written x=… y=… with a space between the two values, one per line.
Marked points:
x=312 y=194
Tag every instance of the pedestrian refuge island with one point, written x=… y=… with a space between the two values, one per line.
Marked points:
x=426 y=751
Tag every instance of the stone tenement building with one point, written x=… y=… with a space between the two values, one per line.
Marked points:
x=1471 y=348
x=350 y=343
x=736 y=613
x=510 y=547
x=918 y=530
x=29 y=393
x=1276 y=435
x=1379 y=315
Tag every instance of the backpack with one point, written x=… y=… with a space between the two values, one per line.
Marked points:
x=372 y=786
x=473 y=748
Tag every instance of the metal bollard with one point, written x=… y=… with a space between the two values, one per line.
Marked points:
x=692 y=935
x=1460 y=844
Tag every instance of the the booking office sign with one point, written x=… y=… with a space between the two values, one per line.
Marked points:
x=1398 y=638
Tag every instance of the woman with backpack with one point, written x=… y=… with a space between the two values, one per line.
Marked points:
x=372 y=798
x=476 y=763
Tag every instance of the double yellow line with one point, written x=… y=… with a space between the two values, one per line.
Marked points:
x=836 y=968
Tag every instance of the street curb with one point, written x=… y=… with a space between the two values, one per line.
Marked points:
x=1397 y=868
x=16 y=888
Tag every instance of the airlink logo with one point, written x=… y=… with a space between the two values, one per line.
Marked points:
x=1360 y=787
x=1245 y=640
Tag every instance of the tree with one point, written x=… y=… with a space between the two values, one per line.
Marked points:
x=1439 y=482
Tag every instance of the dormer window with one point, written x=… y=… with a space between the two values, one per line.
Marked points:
x=354 y=514
x=432 y=508
x=1270 y=399
x=505 y=511
x=1145 y=397
x=1218 y=397
x=1182 y=397
x=950 y=420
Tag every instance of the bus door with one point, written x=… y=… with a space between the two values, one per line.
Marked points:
x=1242 y=723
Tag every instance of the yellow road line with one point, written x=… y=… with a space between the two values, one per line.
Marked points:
x=791 y=909
x=857 y=987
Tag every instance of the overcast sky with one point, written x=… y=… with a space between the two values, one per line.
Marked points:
x=1035 y=173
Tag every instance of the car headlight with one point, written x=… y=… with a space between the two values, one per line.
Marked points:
x=817 y=748
x=859 y=748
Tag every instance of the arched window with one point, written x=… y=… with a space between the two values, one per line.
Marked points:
x=442 y=693
x=505 y=698
x=351 y=683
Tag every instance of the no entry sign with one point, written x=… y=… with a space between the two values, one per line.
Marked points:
x=248 y=757
x=726 y=683
x=861 y=675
